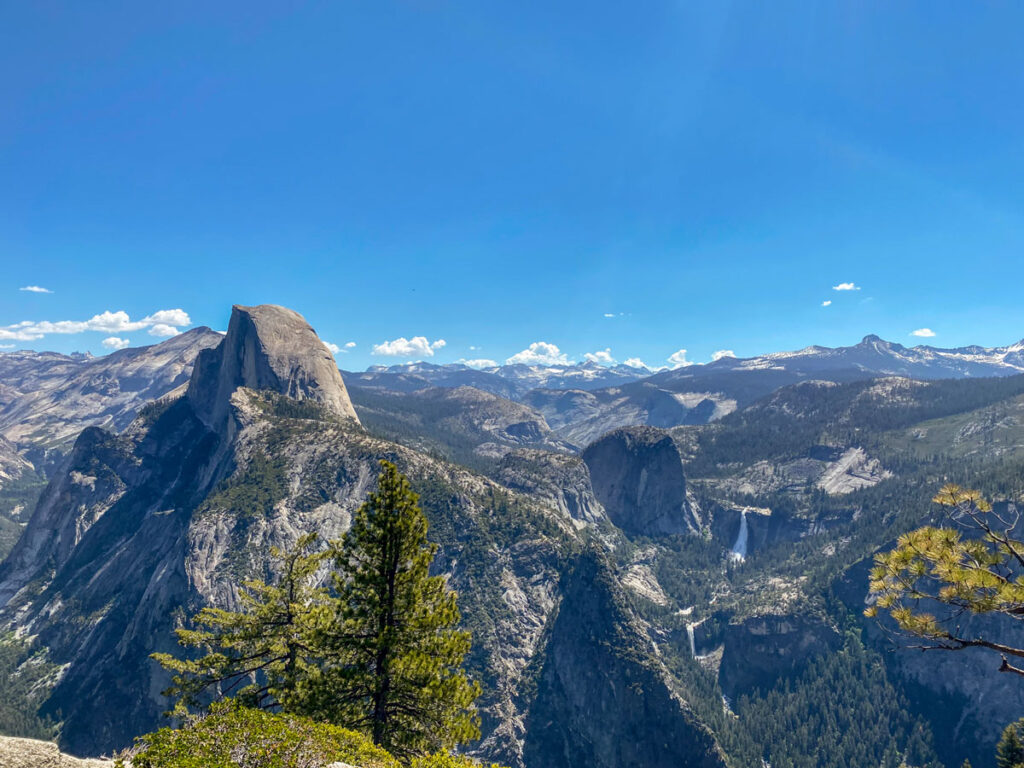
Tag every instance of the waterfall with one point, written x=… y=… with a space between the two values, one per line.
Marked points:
x=739 y=549
x=689 y=634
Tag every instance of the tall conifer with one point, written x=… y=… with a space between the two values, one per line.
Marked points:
x=400 y=677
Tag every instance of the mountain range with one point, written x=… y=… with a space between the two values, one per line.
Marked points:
x=662 y=571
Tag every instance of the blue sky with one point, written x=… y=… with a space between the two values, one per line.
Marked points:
x=499 y=174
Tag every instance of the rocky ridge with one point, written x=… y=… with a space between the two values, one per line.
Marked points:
x=170 y=514
x=140 y=529
x=46 y=398
x=29 y=753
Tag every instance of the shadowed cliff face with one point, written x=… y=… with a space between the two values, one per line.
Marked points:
x=637 y=475
x=267 y=348
x=761 y=649
x=602 y=701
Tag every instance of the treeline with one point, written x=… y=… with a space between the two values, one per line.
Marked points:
x=841 y=712
x=21 y=673
x=787 y=423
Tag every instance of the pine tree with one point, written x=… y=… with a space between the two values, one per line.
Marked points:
x=399 y=678
x=936 y=574
x=1010 y=750
x=263 y=654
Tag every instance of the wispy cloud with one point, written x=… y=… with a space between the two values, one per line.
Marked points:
x=480 y=363
x=162 y=323
x=827 y=303
x=846 y=287
x=602 y=356
x=35 y=289
x=539 y=353
x=678 y=359
x=350 y=345
x=335 y=349
x=112 y=342
x=722 y=353
x=926 y=333
x=417 y=346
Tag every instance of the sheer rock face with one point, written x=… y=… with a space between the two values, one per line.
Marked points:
x=602 y=700
x=637 y=475
x=563 y=480
x=761 y=649
x=267 y=347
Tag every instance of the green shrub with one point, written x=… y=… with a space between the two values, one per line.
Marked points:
x=232 y=736
x=442 y=760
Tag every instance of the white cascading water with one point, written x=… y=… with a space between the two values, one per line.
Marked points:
x=693 y=646
x=739 y=549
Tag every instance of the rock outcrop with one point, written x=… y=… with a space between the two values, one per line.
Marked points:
x=761 y=649
x=637 y=475
x=602 y=700
x=29 y=753
x=561 y=479
x=267 y=348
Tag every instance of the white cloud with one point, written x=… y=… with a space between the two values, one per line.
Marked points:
x=35 y=289
x=335 y=349
x=6 y=346
x=417 y=346
x=350 y=345
x=162 y=330
x=926 y=333
x=827 y=303
x=173 y=317
x=473 y=349
x=481 y=363
x=722 y=353
x=112 y=342
x=678 y=359
x=602 y=356
x=539 y=353
x=846 y=287
x=636 y=362
x=162 y=323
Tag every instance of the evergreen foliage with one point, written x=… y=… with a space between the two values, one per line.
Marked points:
x=941 y=569
x=21 y=672
x=841 y=711
x=263 y=654
x=400 y=678
x=1010 y=749
x=234 y=736
x=378 y=652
